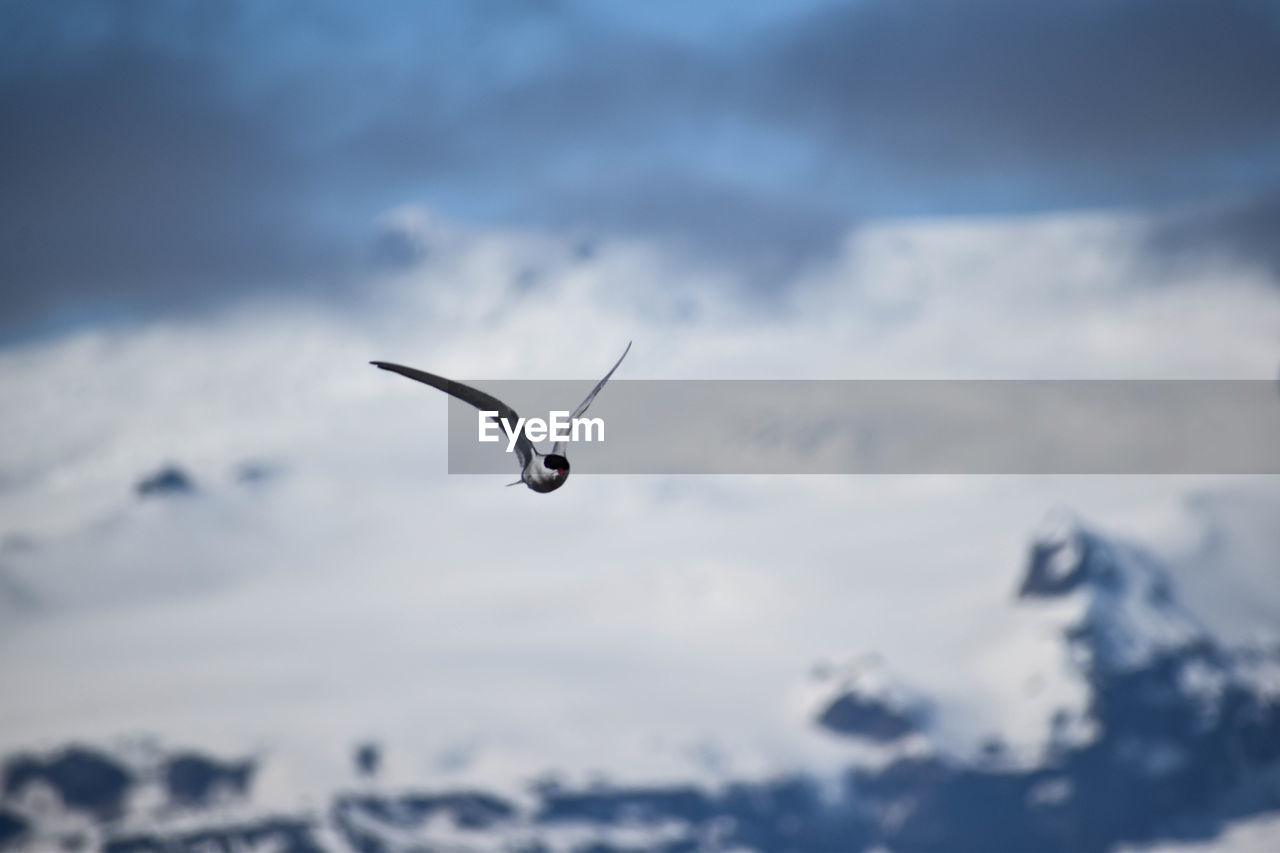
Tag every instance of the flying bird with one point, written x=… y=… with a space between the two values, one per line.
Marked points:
x=540 y=472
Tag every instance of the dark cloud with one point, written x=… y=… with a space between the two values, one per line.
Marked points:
x=1089 y=102
x=858 y=110
x=766 y=236
x=131 y=175
x=1247 y=230
x=160 y=156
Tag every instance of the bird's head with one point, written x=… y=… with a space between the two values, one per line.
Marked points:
x=557 y=463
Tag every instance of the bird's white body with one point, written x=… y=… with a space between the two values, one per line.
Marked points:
x=540 y=472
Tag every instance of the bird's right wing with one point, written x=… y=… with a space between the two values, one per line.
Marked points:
x=482 y=401
x=558 y=447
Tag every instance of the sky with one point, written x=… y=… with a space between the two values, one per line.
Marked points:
x=635 y=628
x=162 y=160
x=215 y=215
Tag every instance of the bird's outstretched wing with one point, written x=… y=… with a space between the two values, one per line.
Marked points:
x=558 y=447
x=482 y=401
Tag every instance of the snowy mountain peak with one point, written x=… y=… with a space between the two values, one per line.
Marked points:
x=1129 y=612
x=863 y=699
x=169 y=480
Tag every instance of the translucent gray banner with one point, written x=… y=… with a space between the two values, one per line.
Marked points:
x=893 y=427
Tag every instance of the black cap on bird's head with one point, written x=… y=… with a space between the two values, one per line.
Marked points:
x=556 y=462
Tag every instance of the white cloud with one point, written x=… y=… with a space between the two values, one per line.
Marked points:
x=623 y=624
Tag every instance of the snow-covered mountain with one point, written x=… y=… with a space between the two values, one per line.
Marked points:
x=1180 y=738
x=229 y=551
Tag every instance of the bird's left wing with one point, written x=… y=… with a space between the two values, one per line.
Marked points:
x=482 y=401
